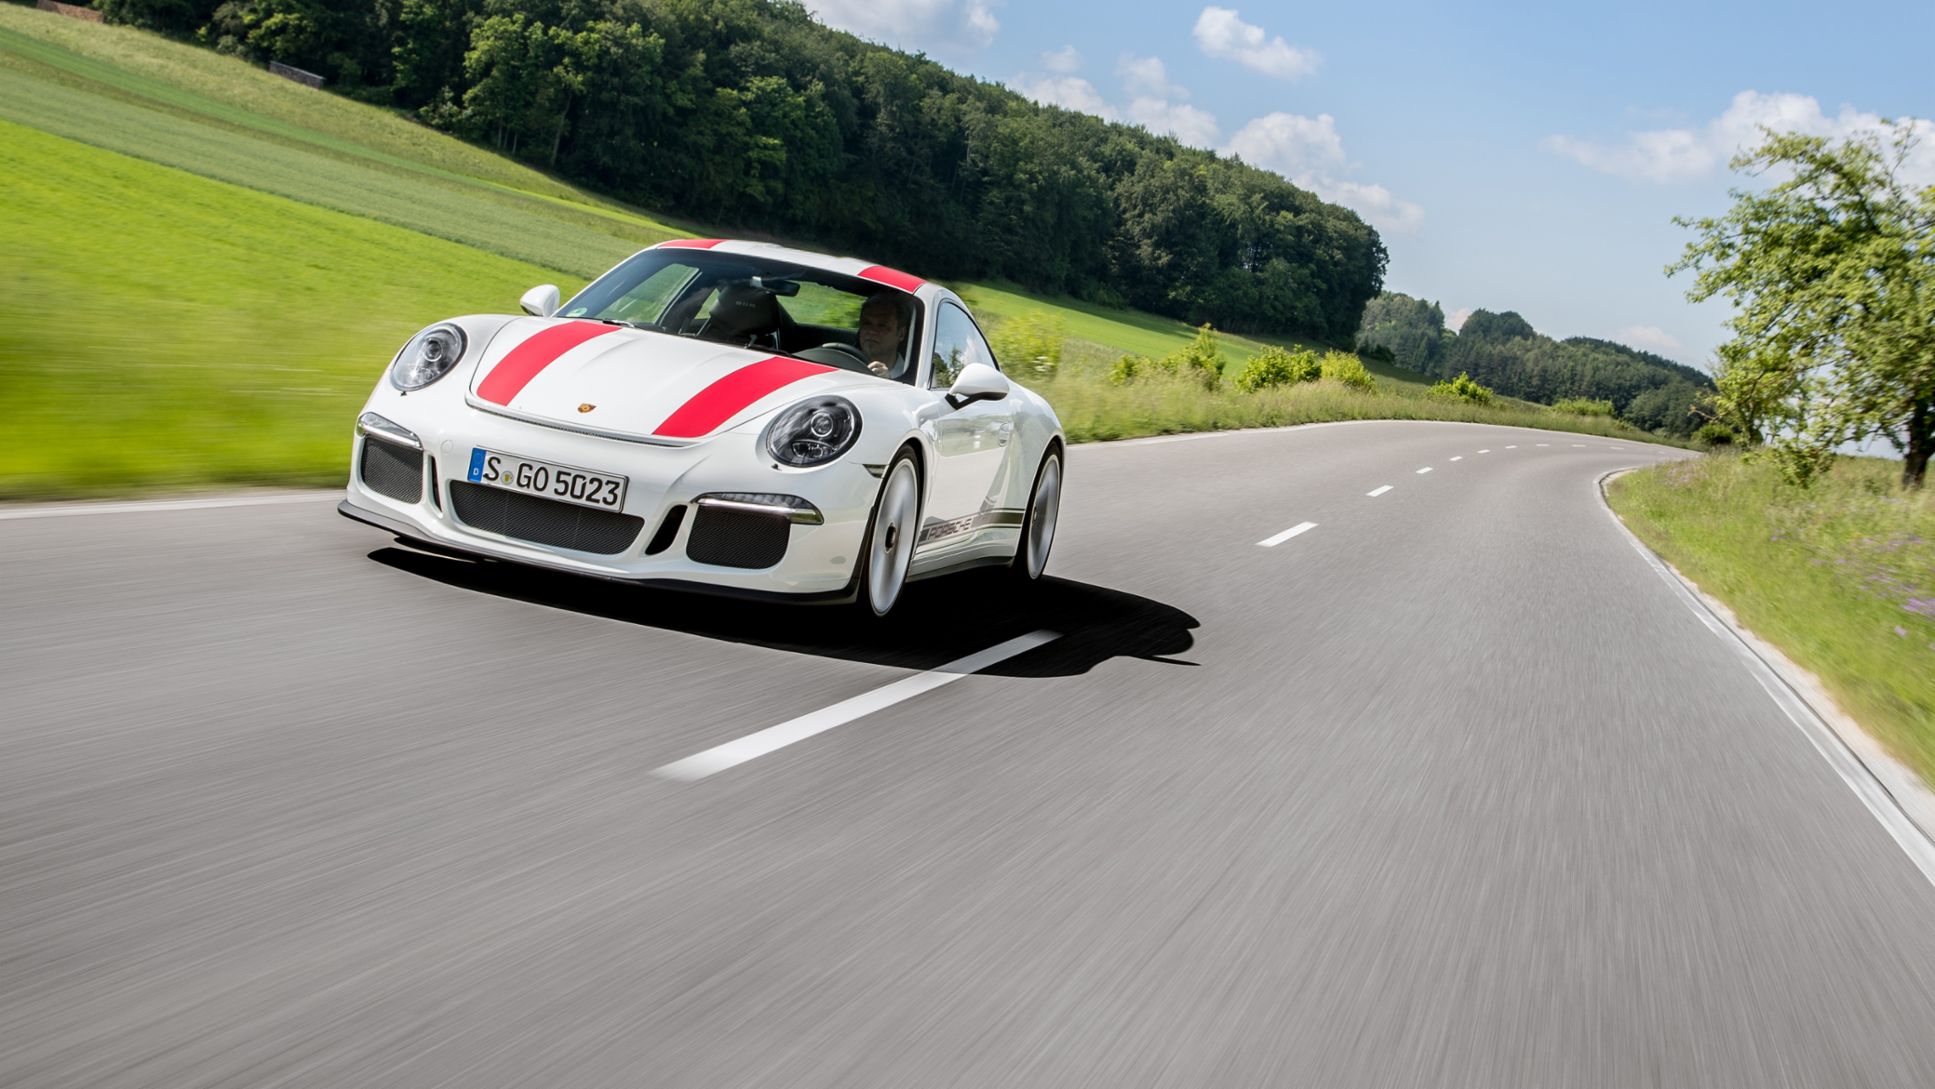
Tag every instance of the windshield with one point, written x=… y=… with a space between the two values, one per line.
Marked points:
x=757 y=302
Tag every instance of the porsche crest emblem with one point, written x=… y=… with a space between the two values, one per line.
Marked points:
x=586 y=408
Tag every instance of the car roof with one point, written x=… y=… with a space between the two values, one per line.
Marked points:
x=848 y=266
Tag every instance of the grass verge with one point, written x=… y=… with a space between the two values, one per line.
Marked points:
x=1840 y=576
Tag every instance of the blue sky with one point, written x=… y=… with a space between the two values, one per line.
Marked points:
x=1526 y=157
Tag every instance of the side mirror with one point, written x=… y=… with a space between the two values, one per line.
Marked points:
x=541 y=301
x=978 y=382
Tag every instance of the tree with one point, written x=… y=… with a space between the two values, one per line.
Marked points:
x=1832 y=275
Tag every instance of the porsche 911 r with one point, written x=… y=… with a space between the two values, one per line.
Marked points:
x=733 y=417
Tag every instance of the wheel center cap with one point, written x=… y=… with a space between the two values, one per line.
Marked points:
x=893 y=537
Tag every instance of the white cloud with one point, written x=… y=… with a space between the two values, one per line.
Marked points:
x=1374 y=202
x=1652 y=338
x=1147 y=78
x=1063 y=60
x=927 y=25
x=1222 y=34
x=1684 y=154
x=1455 y=320
x=981 y=21
x=1155 y=103
x=1068 y=92
x=1191 y=126
x=1309 y=152
x=1289 y=143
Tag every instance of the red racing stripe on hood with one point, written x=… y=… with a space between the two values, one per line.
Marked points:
x=528 y=360
x=726 y=398
x=689 y=243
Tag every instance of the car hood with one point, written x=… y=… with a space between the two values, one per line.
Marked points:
x=637 y=384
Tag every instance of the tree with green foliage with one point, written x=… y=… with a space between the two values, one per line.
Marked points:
x=1487 y=326
x=1411 y=330
x=1831 y=271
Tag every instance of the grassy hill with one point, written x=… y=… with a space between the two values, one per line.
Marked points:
x=205 y=267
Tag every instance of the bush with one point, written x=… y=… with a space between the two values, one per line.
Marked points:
x=1032 y=341
x=1376 y=353
x=1128 y=368
x=1348 y=369
x=1715 y=434
x=1275 y=366
x=1462 y=388
x=1579 y=406
x=1201 y=361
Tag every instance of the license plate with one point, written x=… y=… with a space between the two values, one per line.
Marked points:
x=602 y=491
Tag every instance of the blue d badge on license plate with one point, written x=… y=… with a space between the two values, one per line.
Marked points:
x=476 y=475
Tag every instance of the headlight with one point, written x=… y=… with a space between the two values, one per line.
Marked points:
x=428 y=357
x=814 y=432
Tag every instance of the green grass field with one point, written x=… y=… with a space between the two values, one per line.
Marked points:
x=1840 y=576
x=205 y=268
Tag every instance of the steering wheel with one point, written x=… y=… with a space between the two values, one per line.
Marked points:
x=850 y=351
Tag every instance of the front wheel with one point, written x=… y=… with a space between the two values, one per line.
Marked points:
x=1038 y=527
x=890 y=537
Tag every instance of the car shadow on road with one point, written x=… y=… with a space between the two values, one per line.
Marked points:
x=937 y=620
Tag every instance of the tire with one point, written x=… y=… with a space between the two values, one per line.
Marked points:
x=891 y=531
x=1038 y=526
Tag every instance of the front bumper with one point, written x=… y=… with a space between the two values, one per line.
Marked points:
x=818 y=561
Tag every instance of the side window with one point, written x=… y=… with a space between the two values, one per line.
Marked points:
x=956 y=344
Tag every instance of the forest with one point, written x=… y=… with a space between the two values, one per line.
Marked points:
x=750 y=115
x=1503 y=351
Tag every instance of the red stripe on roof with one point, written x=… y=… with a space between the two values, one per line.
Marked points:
x=729 y=396
x=689 y=244
x=892 y=277
x=528 y=360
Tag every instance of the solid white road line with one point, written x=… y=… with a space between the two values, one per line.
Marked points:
x=1293 y=531
x=1460 y=457
x=1375 y=492
x=1424 y=470
x=752 y=746
x=73 y=510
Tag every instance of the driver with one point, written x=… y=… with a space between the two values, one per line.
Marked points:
x=882 y=326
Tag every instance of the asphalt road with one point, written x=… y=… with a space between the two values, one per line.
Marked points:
x=1448 y=790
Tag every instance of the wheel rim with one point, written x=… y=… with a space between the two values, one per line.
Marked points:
x=1041 y=515
x=893 y=538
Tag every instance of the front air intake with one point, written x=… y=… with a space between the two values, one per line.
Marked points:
x=543 y=521
x=725 y=537
x=391 y=470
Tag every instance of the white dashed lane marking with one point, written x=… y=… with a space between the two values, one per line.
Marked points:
x=1460 y=457
x=752 y=746
x=1293 y=531
x=1484 y=451
x=1375 y=492
x=1424 y=470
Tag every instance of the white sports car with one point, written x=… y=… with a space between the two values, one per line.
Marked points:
x=728 y=416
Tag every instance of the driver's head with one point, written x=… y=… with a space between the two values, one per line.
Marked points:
x=881 y=327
